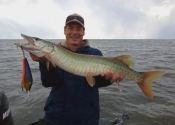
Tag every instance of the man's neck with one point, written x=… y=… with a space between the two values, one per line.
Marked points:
x=72 y=47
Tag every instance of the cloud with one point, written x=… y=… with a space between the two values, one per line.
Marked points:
x=6 y=1
x=166 y=27
x=10 y=29
x=166 y=31
x=131 y=19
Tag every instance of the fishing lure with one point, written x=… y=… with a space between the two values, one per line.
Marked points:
x=26 y=79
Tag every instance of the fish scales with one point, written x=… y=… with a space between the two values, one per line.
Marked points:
x=75 y=64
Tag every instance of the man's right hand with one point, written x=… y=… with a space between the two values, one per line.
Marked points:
x=42 y=60
x=38 y=59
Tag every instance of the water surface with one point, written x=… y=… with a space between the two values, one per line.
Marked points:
x=148 y=55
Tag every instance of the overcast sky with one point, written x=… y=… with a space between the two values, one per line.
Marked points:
x=104 y=19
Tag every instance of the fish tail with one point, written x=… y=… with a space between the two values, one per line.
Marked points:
x=146 y=83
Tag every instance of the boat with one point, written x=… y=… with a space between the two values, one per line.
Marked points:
x=101 y=122
x=7 y=119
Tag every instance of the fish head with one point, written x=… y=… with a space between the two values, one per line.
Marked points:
x=29 y=39
x=38 y=43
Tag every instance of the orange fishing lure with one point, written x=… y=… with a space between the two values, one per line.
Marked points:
x=27 y=79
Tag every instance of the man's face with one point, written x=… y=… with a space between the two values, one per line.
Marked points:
x=74 y=33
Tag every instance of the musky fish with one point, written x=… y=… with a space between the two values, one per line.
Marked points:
x=90 y=65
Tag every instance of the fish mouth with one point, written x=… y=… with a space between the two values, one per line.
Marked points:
x=29 y=39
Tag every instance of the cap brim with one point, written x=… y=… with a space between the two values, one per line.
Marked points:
x=75 y=20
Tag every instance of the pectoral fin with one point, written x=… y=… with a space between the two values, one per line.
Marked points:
x=117 y=82
x=90 y=80
x=48 y=64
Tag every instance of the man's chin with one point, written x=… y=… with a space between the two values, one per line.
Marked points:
x=75 y=41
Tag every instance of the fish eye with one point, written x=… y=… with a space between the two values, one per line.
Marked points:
x=36 y=38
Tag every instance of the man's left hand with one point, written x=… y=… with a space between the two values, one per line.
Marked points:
x=110 y=76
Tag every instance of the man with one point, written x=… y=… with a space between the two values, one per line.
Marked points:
x=72 y=101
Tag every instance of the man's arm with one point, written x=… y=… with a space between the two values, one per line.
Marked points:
x=51 y=78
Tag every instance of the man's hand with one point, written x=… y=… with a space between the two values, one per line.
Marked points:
x=38 y=59
x=112 y=77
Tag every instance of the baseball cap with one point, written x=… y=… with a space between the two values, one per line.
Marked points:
x=75 y=18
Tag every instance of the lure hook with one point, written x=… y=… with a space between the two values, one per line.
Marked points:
x=23 y=51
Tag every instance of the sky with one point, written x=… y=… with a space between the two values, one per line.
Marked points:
x=104 y=19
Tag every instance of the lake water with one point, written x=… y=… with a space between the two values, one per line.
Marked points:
x=148 y=55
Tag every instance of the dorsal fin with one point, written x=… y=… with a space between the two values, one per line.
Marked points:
x=127 y=59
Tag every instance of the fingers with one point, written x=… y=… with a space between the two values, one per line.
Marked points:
x=109 y=76
x=120 y=78
x=112 y=77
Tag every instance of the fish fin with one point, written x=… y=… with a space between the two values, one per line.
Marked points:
x=90 y=80
x=53 y=64
x=146 y=84
x=117 y=82
x=127 y=59
x=48 y=64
